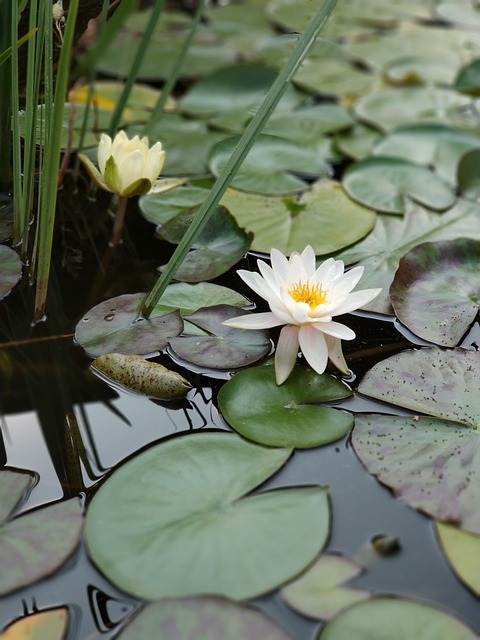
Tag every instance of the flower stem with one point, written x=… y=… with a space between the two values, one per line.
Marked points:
x=119 y=222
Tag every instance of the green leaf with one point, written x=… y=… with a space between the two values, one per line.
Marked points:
x=286 y=415
x=211 y=617
x=223 y=347
x=467 y=15
x=172 y=521
x=113 y=326
x=35 y=544
x=469 y=176
x=6 y=217
x=13 y=488
x=269 y=166
x=306 y=125
x=10 y=270
x=219 y=246
x=383 y=183
x=188 y=298
x=323 y=216
x=319 y=592
x=161 y=209
x=395 y=619
x=436 y=290
x=357 y=143
x=468 y=79
x=462 y=550
x=381 y=251
x=51 y=624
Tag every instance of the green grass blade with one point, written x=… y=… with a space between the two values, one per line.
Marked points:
x=5 y=102
x=16 y=146
x=246 y=142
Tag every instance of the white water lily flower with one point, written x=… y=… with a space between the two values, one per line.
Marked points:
x=126 y=167
x=305 y=299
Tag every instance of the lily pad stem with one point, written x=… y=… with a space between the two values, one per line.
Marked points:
x=119 y=222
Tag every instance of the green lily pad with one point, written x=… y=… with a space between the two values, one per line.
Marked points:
x=160 y=209
x=323 y=216
x=392 y=237
x=433 y=145
x=319 y=592
x=464 y=14
x=390 y=108
x=6 y=217
x=430 y=461
x=173 y=520
x=212 y=617
x=10 y=270
x=306 y=125
x=357 y=143
x=219 y=246
x=468 y=79
x=188 y=298
x=395 y=619
x=462 y=550
x=13 y=488
x=223 y=347
x=383 y=183
x=286 y=415
x=469 y=176
x=422 y=69
x=269 y=165
x=51 y=624
x=436 y=290
x=113 y=327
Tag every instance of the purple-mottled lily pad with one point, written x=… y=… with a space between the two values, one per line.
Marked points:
x=215 y=618
x=319 y=592
x=436 y=290
x=113 y=327
x=6 y=217
x=10 y=270
x=395 y=619
x=220 y=245
x=462 y=550
x=35 y=544
x=287 y=415
x=224 y=347
x=430 y=461
x=51 y=624
x=13 y=488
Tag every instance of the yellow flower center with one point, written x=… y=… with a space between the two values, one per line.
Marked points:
x=312 y=294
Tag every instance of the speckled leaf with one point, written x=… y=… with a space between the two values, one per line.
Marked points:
x=271 y=167
x=13 y=488
x=392 y=237
x=320 y=591
x=173 y=520
x=462 y=550
x=209 y=617
x=219 y=246
x=436 y=290
x=286 y=415
x=10 y=270
x=112 y=327
x=51 y=624
x=35 y=544
x=469 y=176
x=223 y=347
x=395 y=619
x=383 y=183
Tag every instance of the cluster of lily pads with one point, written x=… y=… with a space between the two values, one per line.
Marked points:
x=372 y=156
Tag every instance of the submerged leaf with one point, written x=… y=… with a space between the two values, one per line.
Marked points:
x=136 y=373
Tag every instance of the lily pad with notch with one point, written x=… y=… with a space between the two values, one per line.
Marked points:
x=223 y=347
x=436 y=290
x=287 y=415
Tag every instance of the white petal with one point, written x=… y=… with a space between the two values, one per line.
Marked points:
x=335 y=329
x=279 y=264
x=258 y=284
x=314 y=348
x=155 y=161
x=335 y=354
x=265 y=320
x=308 y=258
x=268 y=274
x=354 y=300
x=325 y=272
x=348 y=281
x=132 y=168
x=286 y=353
x=104 y=150
x=296 y=270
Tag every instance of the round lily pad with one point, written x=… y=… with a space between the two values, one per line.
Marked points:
x=51 y=624
x=286 y=415
x=113 y=326
x=188 y=298
x=13 y=488
x=173 y=520
x=395 y=619
x=383 y=183
x=223 y=347
x=468 y=79
x=462 y=550
x=10 y=270
x=469 y=176
x=436 y=290
x=212 y=617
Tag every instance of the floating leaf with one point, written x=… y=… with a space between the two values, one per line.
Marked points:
x=113 y=326
x=431 y=463
x=35 y=544
x=395 y=619
x=172 y=521
x=188 y=298
x=212 y=617
x=462 y=550
x=6 y=217
x=306 y=125
x=323 y=216
x=10 y=270
x=223 y=347
x=357 y=143
x=467 y=15
x=269 y=166
x=51 y=624
x=160 y=210
x=219 y=246
x=381 y=251
x=319 y=592
x=136 y=373
x=436 y=290
x=13 y=488
x=469 y=176
x=468 y=80
x=286 y=415
x=383 y=183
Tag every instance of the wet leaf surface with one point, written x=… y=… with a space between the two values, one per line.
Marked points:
x=13 y=489
x=462 y=550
